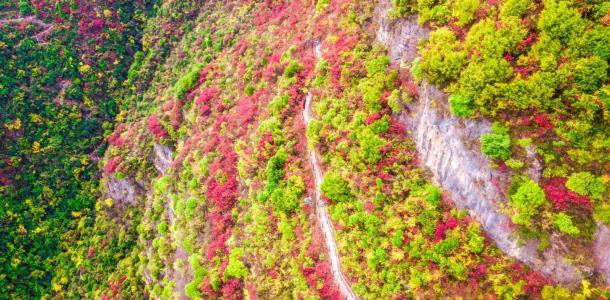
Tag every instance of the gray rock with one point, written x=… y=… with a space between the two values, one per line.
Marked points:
x=601 y=251
x=122 y=191
x=448 y=147
x=161 y=157
x=534 y=170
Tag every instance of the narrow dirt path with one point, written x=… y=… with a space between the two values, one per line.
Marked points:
x=47 y=28
x=321 y=210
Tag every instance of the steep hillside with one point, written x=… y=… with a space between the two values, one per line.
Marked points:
x=312 y=150
x=61 y=66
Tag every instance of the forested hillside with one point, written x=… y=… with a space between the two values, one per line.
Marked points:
x=63 y=64
x=304 y=149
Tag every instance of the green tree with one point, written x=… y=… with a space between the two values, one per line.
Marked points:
x=586 y=184
x=560 y=20
x=563 y=222
x=463 y=11
x=590 y=73
x=461 y=106
x=187 y=82
x=496 y=144
x=442 y=58
x=526 y=201
x=336 y=188
x=236 y=268
x=514 y=8
x=292 y=69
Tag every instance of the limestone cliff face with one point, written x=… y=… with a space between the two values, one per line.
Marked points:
x=443 y=142
x=161 y=158
x=601 y=251
x=448 y=147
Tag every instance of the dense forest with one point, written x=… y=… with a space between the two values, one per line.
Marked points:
x=62 y=68
x=391 y=149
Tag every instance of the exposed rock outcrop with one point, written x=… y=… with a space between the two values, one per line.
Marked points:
x=448 y=147
x=161 y=158
x=602 y=251
x=123 y=191
x=463 y=172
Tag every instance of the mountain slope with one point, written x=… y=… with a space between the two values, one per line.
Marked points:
x=350 y=149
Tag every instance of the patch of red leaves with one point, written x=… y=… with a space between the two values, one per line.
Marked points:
x=112 y=165
x=562 y=198
x=439 y=233
x=156 y=128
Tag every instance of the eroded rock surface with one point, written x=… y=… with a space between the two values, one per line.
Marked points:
x=602 y=251
x=161 y=157
x=442 y=141
x=123 y=191
x=448 y=147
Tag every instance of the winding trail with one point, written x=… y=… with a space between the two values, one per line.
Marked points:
x=47 y=28
x=321 y=209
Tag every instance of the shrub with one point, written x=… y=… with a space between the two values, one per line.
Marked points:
x=496 y=144
x=561 y=197
x=441 y=59
x=586 y=184
x=602 y=213
x=292 y=69
x=112 y=165
x=336 y=188
x=187 y=82
x=563 y=222
x=461 y=106
x=463 y=11
x=560 y=21
x=417 y=70
x=156 y=128
x=162 y=228
x=236 y=267
x=526 y=201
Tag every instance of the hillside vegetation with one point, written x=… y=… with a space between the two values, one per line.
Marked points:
x=158 y=149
